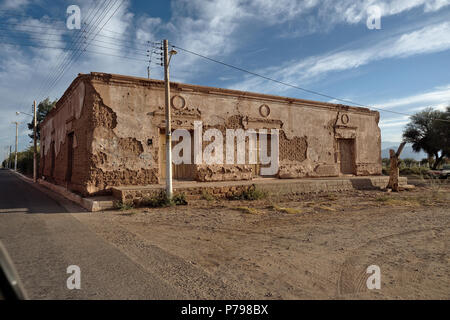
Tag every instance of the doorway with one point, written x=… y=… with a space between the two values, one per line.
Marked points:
x=257 y=167
x=69 y=157
x=52 y=158
x=180 y=171
x=347 y=156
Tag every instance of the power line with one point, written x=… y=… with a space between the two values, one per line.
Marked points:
x=61 y=57
x=138 y=52
x=77 y=46
x=68 y=61
x=22 y=30
x=294 y=86
x=62 y=48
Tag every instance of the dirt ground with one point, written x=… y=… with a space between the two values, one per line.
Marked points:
x=293 y=246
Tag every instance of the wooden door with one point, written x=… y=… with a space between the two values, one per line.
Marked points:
x=347 y=156
x=181 y=171
x=258 y=165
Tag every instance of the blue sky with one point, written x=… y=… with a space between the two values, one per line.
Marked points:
x=324 y=46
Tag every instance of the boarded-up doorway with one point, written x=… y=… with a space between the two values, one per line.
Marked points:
x=180 y=171
x=69 y=157
x=257 y=167
x=347 y=155
x=52 y=158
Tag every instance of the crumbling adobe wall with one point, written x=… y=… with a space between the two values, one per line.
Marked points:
x=308 y=130
x=117 y=122
x=71 y=115
x=121 y=153
x=227 y=172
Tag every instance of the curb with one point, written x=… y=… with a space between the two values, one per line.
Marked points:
x=88 y=204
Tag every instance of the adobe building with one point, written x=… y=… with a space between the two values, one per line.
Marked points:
x=108 y=131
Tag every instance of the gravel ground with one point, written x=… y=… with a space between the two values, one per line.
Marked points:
x=294 y=246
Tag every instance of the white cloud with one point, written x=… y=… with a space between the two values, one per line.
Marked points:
x=435 y=5
x=430 y=39
x=438 y=98
x=391 y=128
x=14 y=4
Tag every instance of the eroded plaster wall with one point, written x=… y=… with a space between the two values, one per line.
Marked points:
x=117 y=122
x=71 y=115
x=127 y=148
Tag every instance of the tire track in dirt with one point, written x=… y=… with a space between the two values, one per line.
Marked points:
x=352 y=278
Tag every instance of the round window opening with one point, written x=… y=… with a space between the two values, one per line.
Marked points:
x=345 y=119
x=264 y=111
x=178 y=102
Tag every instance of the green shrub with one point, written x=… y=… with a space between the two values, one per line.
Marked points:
x=250 y=194
x=207 y=196
x=161 y=201
x=179 y=199
x=24 y=161
x=123 y=206
x=413 y=171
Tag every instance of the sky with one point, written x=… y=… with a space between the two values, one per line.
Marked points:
x=325 y=46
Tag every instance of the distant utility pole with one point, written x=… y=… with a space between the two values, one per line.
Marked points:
x=9 y=158
x=35 y=142
x=17 y=143
x=167 y=58
x=34 y=115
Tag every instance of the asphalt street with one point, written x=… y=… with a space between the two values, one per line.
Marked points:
x=43 y=239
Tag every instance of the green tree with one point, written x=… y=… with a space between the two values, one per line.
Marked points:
x=424 y=162
x=429 y=131
x=410 y=162
x=43 y=109
x=386 y=162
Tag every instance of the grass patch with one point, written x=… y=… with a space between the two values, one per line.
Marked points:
x=129 y=214
x=405 y=202
x=382 y=199
x=179 y=199
x=207 y=196
x=326 y=208
x=247 y=210
x=286 y=210
x=161 y=201
x=123 y=206
x=331 y=197
x=250 y=194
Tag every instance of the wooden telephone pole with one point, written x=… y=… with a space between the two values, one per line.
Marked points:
x=169 y=189
x=167 y=57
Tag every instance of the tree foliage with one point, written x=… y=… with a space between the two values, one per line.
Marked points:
x=429 y=130
x=24 y=161
x=43 y=109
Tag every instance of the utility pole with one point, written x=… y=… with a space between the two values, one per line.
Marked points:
x=35 y=142
x=9 y=158
x=17 y=143
x=169 y=189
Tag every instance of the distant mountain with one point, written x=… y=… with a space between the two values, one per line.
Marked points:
x=406 y=153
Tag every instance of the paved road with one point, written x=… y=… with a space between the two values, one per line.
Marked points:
x=43 y=239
